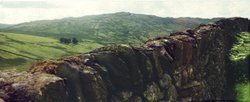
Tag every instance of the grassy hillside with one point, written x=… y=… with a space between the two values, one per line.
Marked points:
x=38 y=40
x=239 y=67
x=240 y=57
x=119 y=27
x=20 y=50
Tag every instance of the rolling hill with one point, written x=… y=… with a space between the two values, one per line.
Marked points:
x=20 y=50
x=121 y=27
x=22 y=44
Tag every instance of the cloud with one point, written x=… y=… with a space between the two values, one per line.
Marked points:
x=25 y=4
x=18 y=11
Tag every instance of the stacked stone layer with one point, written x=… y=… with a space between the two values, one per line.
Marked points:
x=185 y=66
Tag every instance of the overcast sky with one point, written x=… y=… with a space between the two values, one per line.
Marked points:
x=17 y=11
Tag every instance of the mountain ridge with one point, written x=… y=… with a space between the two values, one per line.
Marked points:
x=4 y=25
x=121 y=27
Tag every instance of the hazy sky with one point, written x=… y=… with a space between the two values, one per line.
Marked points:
x=17 y=11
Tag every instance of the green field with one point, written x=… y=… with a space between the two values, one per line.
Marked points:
x=21 y=50
x=39 y=39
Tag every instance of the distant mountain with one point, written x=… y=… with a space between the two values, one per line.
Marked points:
x=122 y=27
x=3 y=26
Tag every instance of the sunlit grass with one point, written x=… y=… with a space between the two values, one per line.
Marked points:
x=239 y=53
x=243 y=92
x=28 y=38
x=20 y=50
x=242 y=48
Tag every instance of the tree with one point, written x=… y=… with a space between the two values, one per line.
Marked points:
x=74 y=41
x=62 y=40
x=65 y=40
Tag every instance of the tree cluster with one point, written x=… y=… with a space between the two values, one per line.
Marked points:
x=68 y=40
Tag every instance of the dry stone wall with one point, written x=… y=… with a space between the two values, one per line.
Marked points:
x=185 y=66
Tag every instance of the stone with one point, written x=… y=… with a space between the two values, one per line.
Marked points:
x=194 y=70
x=152 y=93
